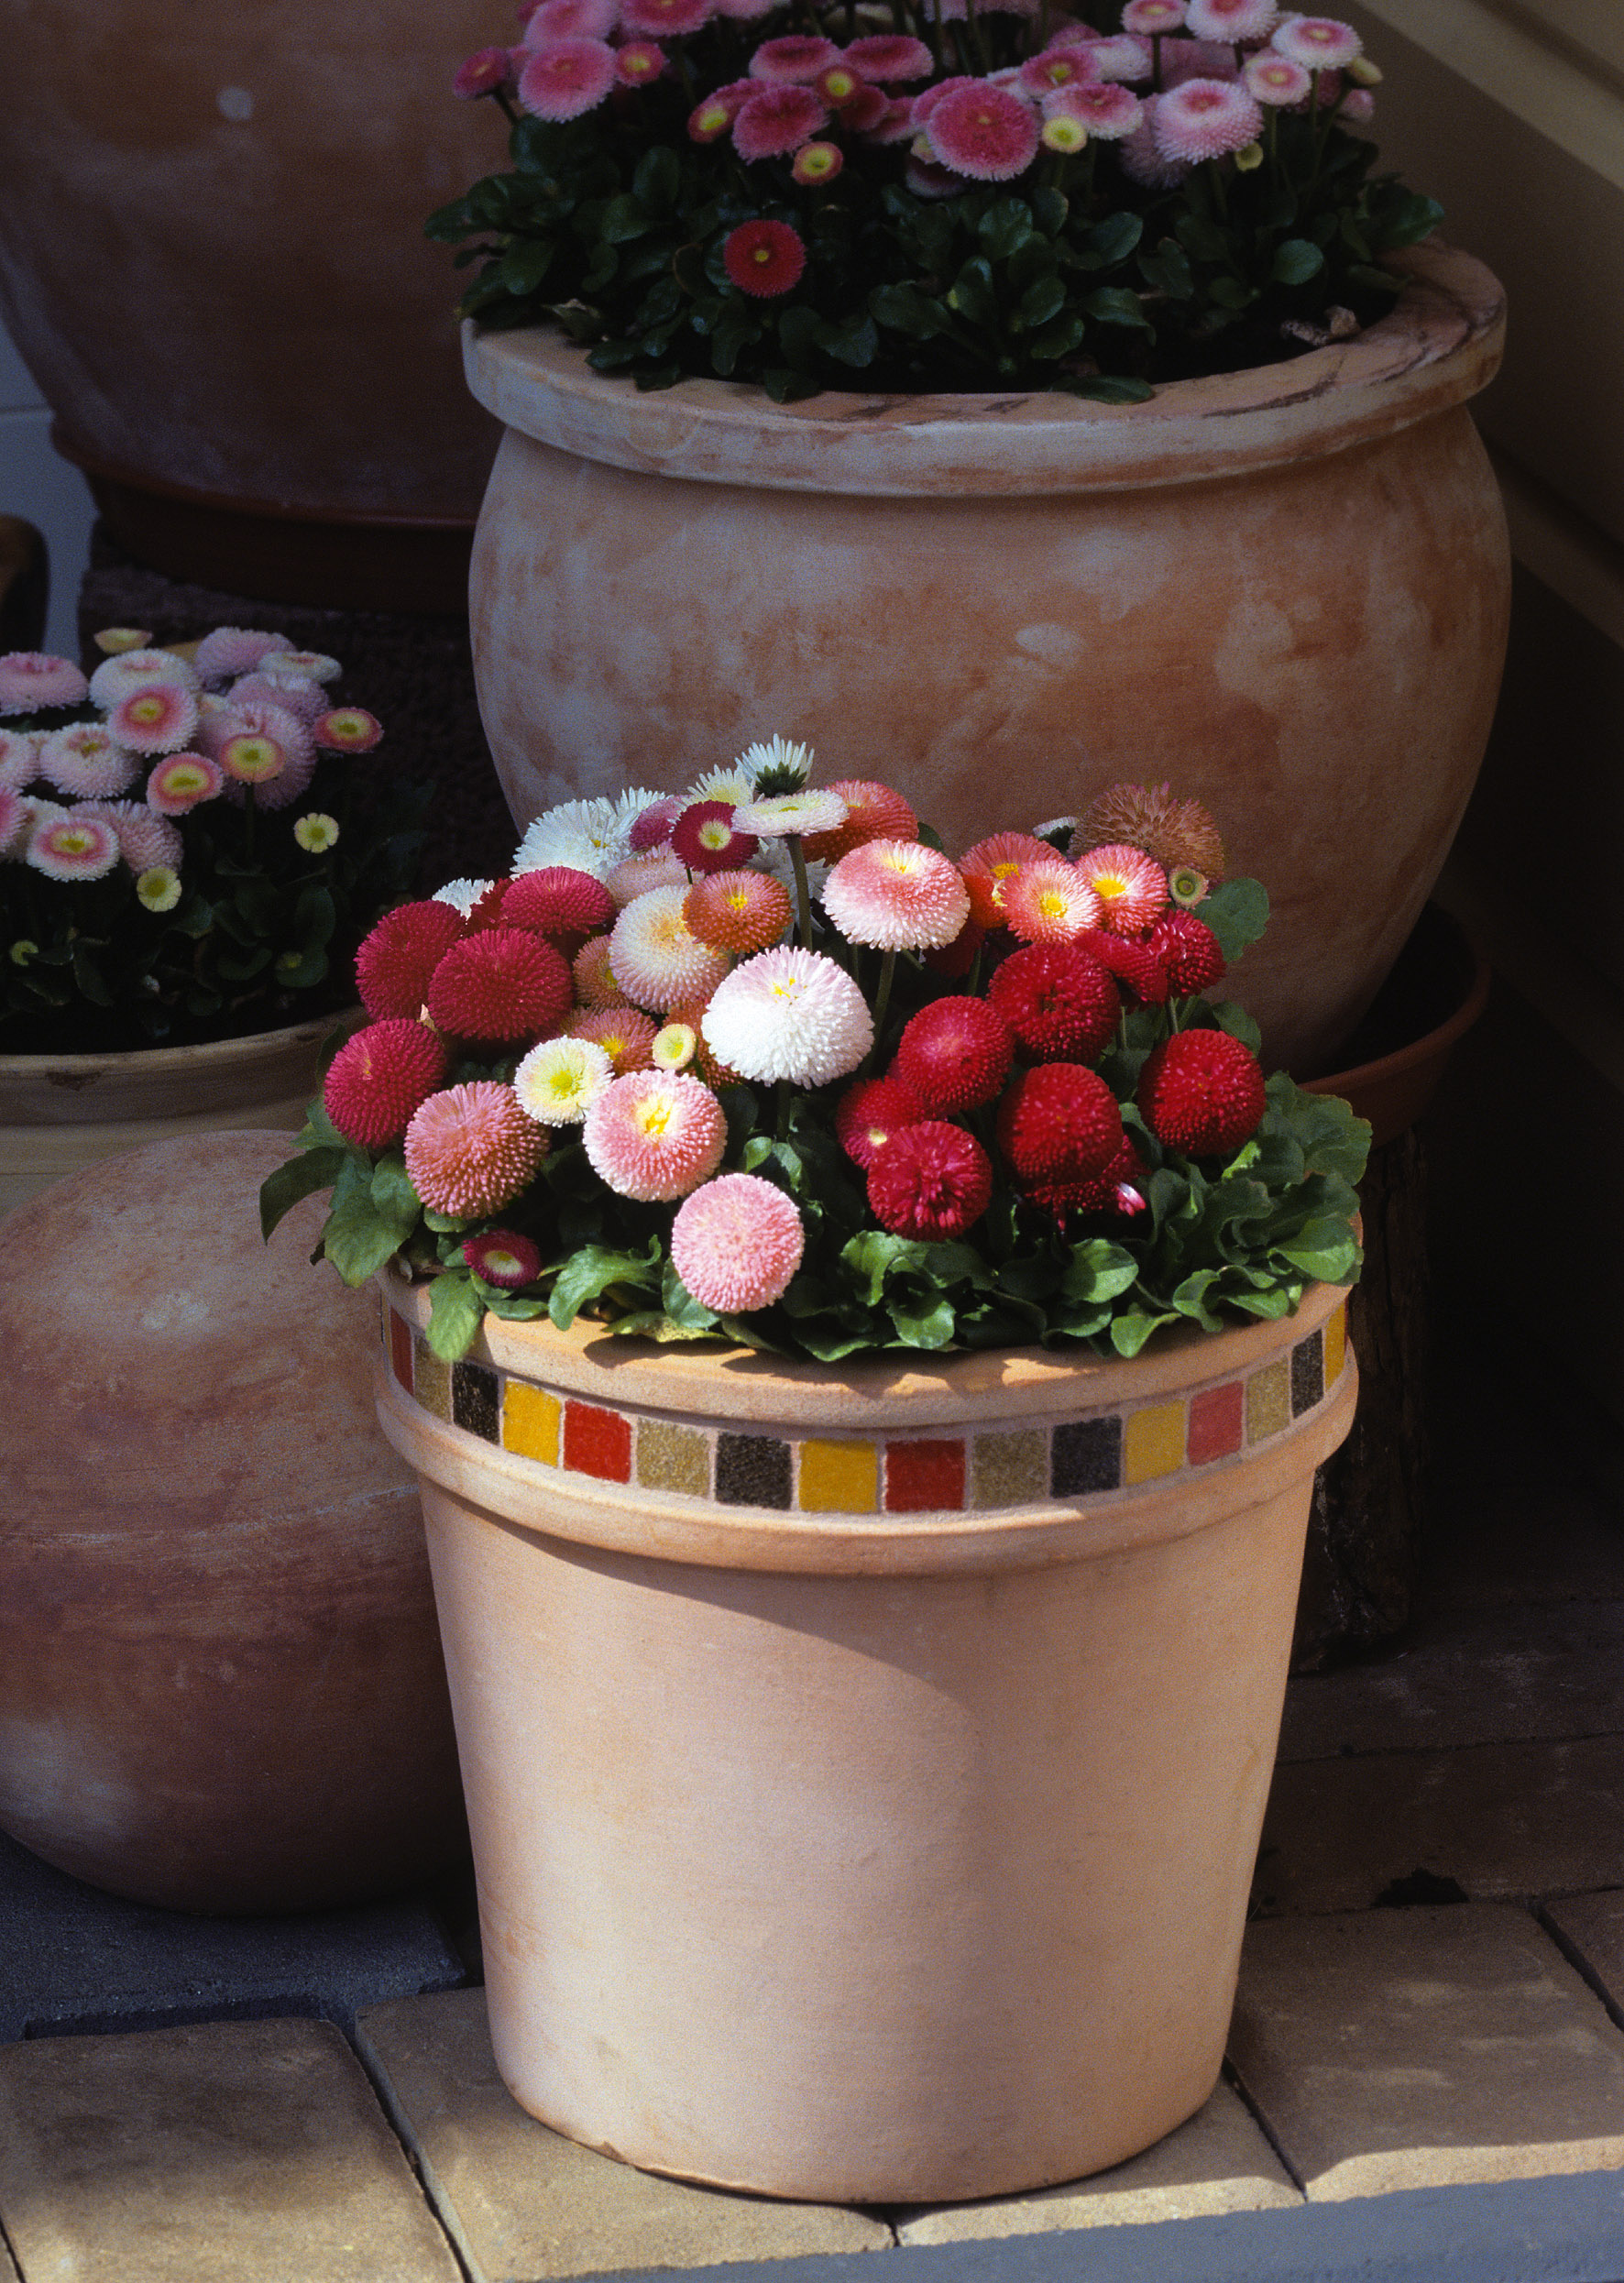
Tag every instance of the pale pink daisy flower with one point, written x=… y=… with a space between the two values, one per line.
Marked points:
x=735 y=1243
x=789 y=1014
x=558 y=1081
x=86 y=761
x=648 y=868
x=1049 y=903
x=233 y=650
x=286 y=731
x=73 y=848
x=890 y=58
x=566 y=78
x=796 y=60
x=1056 y=67
x=639 y=61
x=150 y=721
x=13 y=820
x=1319 y=41
x=19 y=758
x=1234 y=21
x=783 y=815
x=470 y=1150
x=316 y=666
x=986 y=133
x=1132 y=886
x=656 y=959
x=1108 y=111
x=1277 y=81
x=252 y=758
x=624 y=1032
x=595 y=983
x=1196 y=58
x=144 y=840
x=924 y=103
x=777 y=120
x=31 y=681
x=1142 y=162
x=570 y=19
x=1153 y=16
x=655 y=1135
x=1122 y=57
x=896 y=896
x=136 y=670
x=180 y=784
x=1205 y=118
x=305 y=699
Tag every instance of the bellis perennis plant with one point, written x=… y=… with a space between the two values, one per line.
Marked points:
x=938 y=194
x=764 y=1063
x=191 y=842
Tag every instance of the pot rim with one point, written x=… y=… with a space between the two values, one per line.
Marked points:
x=1440 y=344
x=93 y=1089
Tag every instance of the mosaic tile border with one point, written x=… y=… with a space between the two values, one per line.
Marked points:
x=939 y=1473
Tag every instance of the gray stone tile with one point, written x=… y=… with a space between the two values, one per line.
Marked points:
x=75 y=1959
x=1219 y=2161
x=8 y=2273
x=522 y=2203
x=241 y=2152
x=1421 y=2048
x=1590 y=1927
x=1477 y=1676
x=1501 y=1820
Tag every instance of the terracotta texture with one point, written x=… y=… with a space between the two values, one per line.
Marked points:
x=61 y=1113
x=211 y=245
x=863 y=1855
x=1288 y=589
x=220 y=1683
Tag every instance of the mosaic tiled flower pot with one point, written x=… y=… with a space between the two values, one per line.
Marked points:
x=864 y=1764
x=1295 y=578
x=59 y=1113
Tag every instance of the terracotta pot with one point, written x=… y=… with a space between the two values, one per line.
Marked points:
x=864 y=1765
x=62 y=1112
x=221 y=1687
x=211 y=260
x=1436 y=991
x=1288 y=588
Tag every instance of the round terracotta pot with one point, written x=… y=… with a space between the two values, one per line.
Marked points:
x=1286 y=588
x=221 y=1685
x=211 y=260
x=62 y=1112
x=864 y=1765
x=1398 y=1057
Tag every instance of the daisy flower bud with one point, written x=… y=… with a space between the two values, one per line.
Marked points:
x=158 y=888
x=315 y=831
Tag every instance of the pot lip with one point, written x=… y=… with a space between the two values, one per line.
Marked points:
x=253 y=1047
x=1439 y=346
x=1432 y=1047
x=871 y=1394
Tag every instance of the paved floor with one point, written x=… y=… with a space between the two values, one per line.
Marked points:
x=1432 y=1991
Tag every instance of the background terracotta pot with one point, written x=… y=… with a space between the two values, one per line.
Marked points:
x=59 y=1113
x=864 y=1765
x=1288 y=589
x=221 y=1685
x=211 y=260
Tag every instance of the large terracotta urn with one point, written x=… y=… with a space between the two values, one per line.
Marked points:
x=864 y=1763
x=1285 y=589
x=211 y=260
x=221 y=1685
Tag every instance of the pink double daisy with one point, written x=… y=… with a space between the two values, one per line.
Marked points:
x=654 y=1135
x=983 y=132
x=566 y=78
x=735 y=1243
x=1205 y=118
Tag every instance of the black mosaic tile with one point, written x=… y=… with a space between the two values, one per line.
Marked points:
x=1307 y=1373
x=752 y=1470
x=1086 y=1454
x=474 y=1400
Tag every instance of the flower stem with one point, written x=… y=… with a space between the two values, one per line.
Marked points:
x=883 y=996
x=784 y=1099
x=247 y=824
x=803 y=890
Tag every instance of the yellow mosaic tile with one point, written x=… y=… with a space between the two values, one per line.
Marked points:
x=673 y=1458
x=840 y=1478
x=1153 y=1442
x=1336 y=1340
x=1010 y=1469
x=529 y=1422
x=1268 y=1400
x=431 y=1380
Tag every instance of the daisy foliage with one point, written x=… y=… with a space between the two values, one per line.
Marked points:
x=934 y=196
x=923 y=1102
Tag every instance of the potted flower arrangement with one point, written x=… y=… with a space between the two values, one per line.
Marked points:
x=1099 y=347
x=865 y=1327
x=189 y=851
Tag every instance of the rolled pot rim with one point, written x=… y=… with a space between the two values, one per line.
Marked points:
x=1440 y=344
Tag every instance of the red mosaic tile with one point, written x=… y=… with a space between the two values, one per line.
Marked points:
x=401 y=1349
x=1217 y=1420
x=924 y=1477
x=597 y=1443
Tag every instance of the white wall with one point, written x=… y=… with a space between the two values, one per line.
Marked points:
x=43 y=488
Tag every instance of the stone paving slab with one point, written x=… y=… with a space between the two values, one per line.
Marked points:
x=1479 y=1676
x=1420 y=2049
x=74 y=1958
x=522 y=2203
x=1218 y=2162
x=224 y=2151
x=1501 y=1820
x=1591 y=1929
